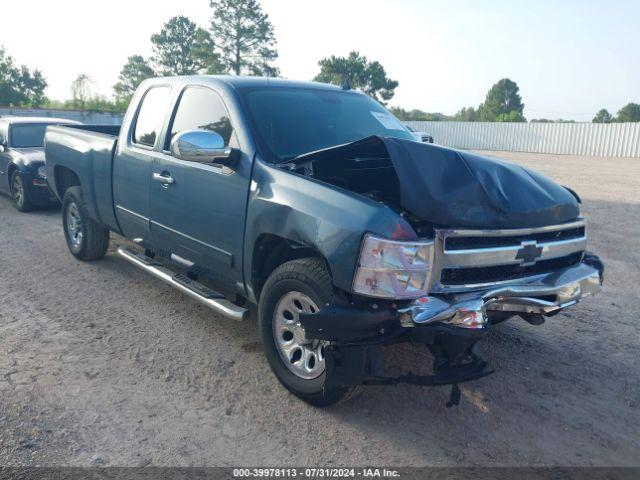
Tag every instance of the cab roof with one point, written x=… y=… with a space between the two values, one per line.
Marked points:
x=245 y=82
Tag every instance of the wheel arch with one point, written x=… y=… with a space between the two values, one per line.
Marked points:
x=63 y=179
x=270 y=251
x=15 y=164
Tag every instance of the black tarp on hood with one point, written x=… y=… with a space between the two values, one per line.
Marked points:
x=460 y=189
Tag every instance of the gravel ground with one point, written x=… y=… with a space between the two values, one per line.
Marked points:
x=102 y=365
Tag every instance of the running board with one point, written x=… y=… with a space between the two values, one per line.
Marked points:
x=195 y=290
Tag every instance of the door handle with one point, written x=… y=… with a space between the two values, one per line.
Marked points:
x=165 y=180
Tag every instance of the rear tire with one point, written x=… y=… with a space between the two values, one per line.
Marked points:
x=87 y=239
x=20 y=193
x=296 y=286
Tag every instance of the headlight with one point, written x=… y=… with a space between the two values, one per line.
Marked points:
x=392 y=269
x=42 y=171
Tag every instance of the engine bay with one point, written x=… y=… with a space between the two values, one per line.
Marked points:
x=433 y=186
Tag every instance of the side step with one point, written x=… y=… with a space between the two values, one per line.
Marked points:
x=195 y=290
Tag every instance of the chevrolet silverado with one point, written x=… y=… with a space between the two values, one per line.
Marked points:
x=316 y=205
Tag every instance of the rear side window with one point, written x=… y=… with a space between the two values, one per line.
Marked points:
x=151 y=116
x=201 y=109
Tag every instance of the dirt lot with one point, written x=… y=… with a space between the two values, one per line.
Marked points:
x=102 y=365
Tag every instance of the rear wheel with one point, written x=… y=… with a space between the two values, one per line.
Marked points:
x=296 y=287
x=86 y=238
x=20 y=193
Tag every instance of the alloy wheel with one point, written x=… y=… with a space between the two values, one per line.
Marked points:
x=74 y=225
x=303 y=357
x=18 y=190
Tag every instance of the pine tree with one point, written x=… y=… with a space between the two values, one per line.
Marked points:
x=244 y=35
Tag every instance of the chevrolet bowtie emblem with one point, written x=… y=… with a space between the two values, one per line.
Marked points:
x=529 y=253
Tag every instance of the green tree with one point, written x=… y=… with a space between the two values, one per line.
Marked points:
x=182 y=48
x=400 y=113
x=629 y=113
x=133 y=73
x=512 y=116
x=81 y=91
x=603 y=116
x=548 y=120
x=204 y=53
x=417 y=115
x=100 y=103
x=19 y=86
x=84 y=97
x=245 y=37
x=466 y=114
x=32 y=86
x=370 y=77
x=502 y=99
x=542 y=120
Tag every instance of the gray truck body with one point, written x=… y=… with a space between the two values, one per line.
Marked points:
x=232 y=224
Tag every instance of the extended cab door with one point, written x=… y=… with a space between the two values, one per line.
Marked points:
x=132 y=164
x=198 y=214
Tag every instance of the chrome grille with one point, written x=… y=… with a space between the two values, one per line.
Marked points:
x=501 y=273
x=471 y=259
x=463 y=243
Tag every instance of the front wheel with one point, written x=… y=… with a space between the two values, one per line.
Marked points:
x=296 y=287
x=87 y=239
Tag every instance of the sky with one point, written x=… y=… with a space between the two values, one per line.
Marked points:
x=569 y=57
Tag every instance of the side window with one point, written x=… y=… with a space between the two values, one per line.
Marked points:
x=201 y=108
x=3 y=135
x=151 y=116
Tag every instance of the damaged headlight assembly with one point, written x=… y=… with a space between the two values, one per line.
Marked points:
x=393 y=269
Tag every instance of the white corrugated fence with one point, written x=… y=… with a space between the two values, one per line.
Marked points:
x=593 y=139
x=90 y=118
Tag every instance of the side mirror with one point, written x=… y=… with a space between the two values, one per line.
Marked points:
x=2 y=147
x=202 y=146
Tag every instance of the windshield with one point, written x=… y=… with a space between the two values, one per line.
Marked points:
x=23 y=136
x=293 y=121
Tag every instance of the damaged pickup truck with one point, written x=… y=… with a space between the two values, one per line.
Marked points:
x=315 y=204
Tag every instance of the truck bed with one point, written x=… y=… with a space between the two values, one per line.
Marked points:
x=86 y=150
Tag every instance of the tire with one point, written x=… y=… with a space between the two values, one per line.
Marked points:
x=308 y=282
x=20 y=193
x=87 y=239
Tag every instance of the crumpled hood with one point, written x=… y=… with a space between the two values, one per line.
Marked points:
x=446 y=187
x=461 y=189
x=30 y=155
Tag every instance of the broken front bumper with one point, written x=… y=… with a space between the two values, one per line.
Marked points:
x=546 y=295
x=450 y=325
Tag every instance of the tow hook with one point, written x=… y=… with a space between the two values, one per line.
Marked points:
x=454 y=396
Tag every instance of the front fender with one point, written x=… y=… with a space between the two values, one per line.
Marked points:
x=24 y=166
x=25 y=162
x=326 y=218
